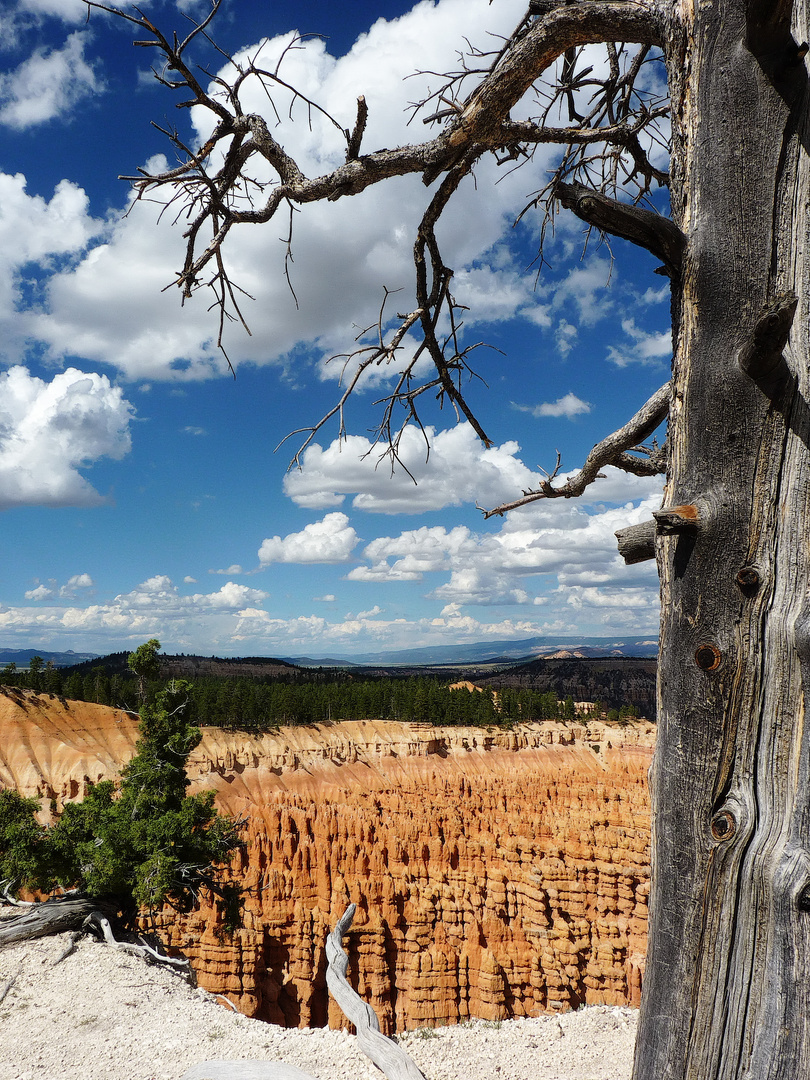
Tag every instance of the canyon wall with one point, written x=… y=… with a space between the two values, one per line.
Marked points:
x=496 y=873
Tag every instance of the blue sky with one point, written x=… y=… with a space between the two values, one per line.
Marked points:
x=140 y=488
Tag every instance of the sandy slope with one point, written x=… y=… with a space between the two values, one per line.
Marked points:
x=103 y=1015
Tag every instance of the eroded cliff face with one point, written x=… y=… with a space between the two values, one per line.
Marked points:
x=496 y=874
x=52 y=749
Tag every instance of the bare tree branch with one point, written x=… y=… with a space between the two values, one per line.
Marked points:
x=652 y=231
x=610 y=128
x=610 y=451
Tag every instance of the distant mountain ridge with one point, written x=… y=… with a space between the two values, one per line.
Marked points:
x=23 y=657
x=495 y=651
x=507 y=651
x=185 y=666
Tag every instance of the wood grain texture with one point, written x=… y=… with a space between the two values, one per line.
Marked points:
x=726 y=996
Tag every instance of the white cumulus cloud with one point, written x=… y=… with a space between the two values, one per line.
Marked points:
x=330 y=540
x=643 y=347
x=47 y=85
x=569 y=405
x=68 y=10
x=566 y=546
x=459 y=469
x=154 y=608
x=75 y=584
x=40 y=231
x=48 y=431
x=111 y=308
x=41 y=592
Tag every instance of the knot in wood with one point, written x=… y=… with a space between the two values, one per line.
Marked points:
x=723 y=826
x=803 y=900
x=708 y=657
x=748 y=580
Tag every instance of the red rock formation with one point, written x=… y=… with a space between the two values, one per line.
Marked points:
x=52 y=749
x=496 y=873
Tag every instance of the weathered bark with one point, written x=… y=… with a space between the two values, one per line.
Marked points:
x=636 y=543
x=726 y=993
x=52 y=917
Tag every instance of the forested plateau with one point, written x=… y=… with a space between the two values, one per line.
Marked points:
x=497 y=872
x=619 y=681
x=258 y=694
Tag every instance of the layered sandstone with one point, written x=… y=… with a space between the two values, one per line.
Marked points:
x=496 y=873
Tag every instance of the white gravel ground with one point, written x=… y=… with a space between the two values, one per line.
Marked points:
x=101 y=1014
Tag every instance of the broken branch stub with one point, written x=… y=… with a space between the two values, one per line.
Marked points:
x=637 y=542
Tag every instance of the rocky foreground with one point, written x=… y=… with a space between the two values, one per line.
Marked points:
x=497 y=874
x=104 y=1015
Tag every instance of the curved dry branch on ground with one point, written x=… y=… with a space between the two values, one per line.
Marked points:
x=181 y=967
x=387 y=1055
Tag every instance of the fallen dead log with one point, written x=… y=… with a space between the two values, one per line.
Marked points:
x=77 y=914
x=387 y=1055
x=55 y=916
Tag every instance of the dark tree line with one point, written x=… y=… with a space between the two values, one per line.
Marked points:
x=260 y=704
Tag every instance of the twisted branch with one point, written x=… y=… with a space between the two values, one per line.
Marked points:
x=610 y=451
x=387 y=1055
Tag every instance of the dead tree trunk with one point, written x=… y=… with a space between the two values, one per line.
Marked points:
x=726 y=995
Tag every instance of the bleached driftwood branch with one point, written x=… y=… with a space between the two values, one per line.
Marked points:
x=387 y=1055
x=4 y=989
x=182 y=967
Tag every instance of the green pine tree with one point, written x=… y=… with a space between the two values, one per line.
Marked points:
x=137 y=844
